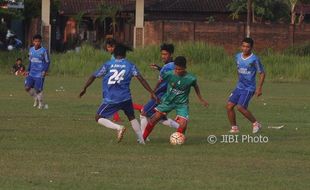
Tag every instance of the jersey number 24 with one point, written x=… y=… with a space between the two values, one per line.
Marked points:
x=116 y=77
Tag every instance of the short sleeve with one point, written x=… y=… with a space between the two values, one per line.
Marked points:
x=100 y=72
x=134 y=71
x=259 y=66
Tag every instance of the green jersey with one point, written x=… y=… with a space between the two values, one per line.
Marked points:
x=178 y=87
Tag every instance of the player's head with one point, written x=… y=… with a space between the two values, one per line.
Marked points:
x=110 y=45
x=180 y=65
x=19 y=61
x=166 y=51
x=36 y=40
x=120 y=50
x=247 y=45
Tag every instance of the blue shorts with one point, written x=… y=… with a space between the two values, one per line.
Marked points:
x=107 y=110
x=241 y=97
x=149 y=107
x=34 y=82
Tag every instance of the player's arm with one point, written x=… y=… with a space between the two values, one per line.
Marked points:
x=262 y=75
x=90 y=80
x=155 y=67
x=146 y=85
x=259 y=90
x=46 y=63
x=197 y=90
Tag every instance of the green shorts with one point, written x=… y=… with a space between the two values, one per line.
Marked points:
x=181 y=109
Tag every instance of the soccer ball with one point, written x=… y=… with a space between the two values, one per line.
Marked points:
x=10 y=47
x=177 y=138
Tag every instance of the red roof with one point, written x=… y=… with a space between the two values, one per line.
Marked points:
x=88 y=6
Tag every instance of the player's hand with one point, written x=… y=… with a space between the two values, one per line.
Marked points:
x=82 y=93
x=258 y=92
x=44 y=74
x=26 y=74
x=154 y=66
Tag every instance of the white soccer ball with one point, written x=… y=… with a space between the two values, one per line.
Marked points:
x=177 y=138
x=10 y=47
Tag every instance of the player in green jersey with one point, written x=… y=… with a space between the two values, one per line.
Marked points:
x=177 y=96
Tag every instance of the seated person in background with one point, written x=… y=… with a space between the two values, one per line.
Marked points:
x=18 y=68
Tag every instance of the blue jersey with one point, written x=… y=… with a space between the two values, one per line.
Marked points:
x=39 y=62
x=117 y=74
x=162 y=88
x=247 y=68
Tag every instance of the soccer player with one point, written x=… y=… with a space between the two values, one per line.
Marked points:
x=37 y=70
x=110 y=46
x=166 y=51
x=177 y=96
x=117 y=76
x=248 y=65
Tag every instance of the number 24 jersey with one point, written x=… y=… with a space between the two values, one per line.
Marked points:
x=116 y=80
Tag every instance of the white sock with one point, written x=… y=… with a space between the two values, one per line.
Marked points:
x=40 y=98
x=170 y=123
x=143 y=121
x=109 y=124
x=136 y=127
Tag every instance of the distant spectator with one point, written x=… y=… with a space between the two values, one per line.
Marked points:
x=18 y=68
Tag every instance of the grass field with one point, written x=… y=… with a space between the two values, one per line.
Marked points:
x=64 y=148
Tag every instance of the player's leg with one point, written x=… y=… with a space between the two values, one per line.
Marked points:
x=232 y=101
x=29 y=84
x=116 y=117
x=151 y=124
x=182 y=117
x=169 y=122
x=127 y=107
x=137 y=107
x=38 y=86
x=106 y=111
x=242 y=107
x=147 y=112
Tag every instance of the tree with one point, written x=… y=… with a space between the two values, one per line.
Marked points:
x=262 y=10
x=108 y=11
x=292 y=4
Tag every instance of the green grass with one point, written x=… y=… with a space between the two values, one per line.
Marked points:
x=64 y=148
x=209 y=61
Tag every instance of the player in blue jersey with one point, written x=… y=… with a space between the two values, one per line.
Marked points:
x=117 y=76
x=248 y=65
x=109 y=47
x=166 y=51
x=37 y=70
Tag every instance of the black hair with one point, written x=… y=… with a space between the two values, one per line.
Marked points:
x=37 y=36
x=180 y=61
x=121 y=50
x=110 y=41
x=167 y=47
x=249 y=41
x=19 y=59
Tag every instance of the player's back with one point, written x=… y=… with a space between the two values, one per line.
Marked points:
x=116 y=80
x=39 y=61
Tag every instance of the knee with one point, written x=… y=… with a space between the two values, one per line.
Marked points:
x=241 y=109
x=230 y=107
